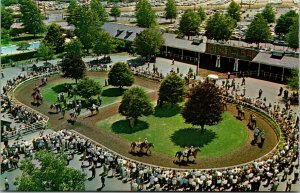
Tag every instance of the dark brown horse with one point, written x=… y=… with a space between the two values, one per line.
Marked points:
x=37 y=97
x=143 y=146
x=194 y=154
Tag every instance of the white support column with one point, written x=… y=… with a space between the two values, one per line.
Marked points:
x=258 y=72
x=166 y=51
x=181 y=54
x=282 y=74
x=198 y=63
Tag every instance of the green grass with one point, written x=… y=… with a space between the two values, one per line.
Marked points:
x=109 y=94
x=167 y=130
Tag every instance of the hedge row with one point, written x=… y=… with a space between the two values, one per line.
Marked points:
x=18 y=57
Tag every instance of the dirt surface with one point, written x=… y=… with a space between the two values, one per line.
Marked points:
x=86 y=126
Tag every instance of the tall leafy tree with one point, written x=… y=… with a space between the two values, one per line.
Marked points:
x=31 y=17
x=203 y=106
x=55 y=37
x=120 y=75
x=293 y=36
x=149 y=42
x=269 y=14
x=72 y=66
x=219 y=27
x=74 y=47
x=103 y=43
x=293 y=81
x=45 y=51
x=52 y=174
x=87 y=88
x=71 y=11
x=201 y=13
x=134 y=104
x=285 y=21
x=234 y=11
x=172 y=89
x=87 y=24
x=97 y=7
x=171 y=10
x=145 y=16
x=189 y=23
x=7 y=17
x=258 y=31
x=115 y=12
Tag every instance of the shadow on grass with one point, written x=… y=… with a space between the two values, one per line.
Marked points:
x=193 y=137
x=113 y=92
x=167 y=110
x=61 y=87
x=123 y=126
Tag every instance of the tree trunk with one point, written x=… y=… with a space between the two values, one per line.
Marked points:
x=171 y=20
x=76 y=80
x=131 y=122
x=115 y=18
x=202 y=128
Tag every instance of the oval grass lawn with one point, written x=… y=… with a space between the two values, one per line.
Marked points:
x=168 y=132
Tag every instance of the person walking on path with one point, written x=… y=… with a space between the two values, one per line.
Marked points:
x=93 y=169
x=262 y=138
x=288 y=185
x=6 y=184
x=243 y=81
x=102 y=181
x=259 y=93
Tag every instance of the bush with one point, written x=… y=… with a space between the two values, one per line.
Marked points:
x=18 y=57
x=16 y=31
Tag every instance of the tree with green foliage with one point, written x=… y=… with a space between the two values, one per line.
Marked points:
x=149 y=42
x=171 y=10
x=5 y=39
x=134 y=104
x=258 y=31
x=87 y=88
x=204 y=106
x=71 y=11
x=120 y=75
x=189 y=23
x=52 y=174
x=74 y=47
x=234 y=11
x=269 y=14
x=45 y=51
x=293 y=81
x=31 y=18
x=285 y=21
x=23 y=46
x=172 y=89
x=103 y=43
x=72 y=66
x=87 y=24
x=219 y=27
x=7 y=18
x=97 y=7
x=55 y=37
x=293 y=36
x=201 y=13
x=115 y=12
x=145 y=16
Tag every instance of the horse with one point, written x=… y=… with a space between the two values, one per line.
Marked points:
x=142 y=146
x=194 y=154
x=92 y=109
x=37 y=98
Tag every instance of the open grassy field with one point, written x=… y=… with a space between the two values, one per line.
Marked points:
x=167 y=130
